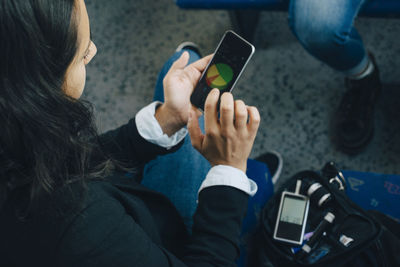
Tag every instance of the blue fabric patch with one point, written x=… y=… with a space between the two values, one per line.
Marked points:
x=259 y=173
x=375 y=191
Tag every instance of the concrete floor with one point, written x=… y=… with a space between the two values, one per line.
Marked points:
x=296 y=94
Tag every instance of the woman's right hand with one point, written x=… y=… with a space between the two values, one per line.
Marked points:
x=229 y=139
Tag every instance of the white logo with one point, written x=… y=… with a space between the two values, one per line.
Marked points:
x=354 y=183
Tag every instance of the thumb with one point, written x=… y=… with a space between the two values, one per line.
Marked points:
x=195 y=133
x=181 y=62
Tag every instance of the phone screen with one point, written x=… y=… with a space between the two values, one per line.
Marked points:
x=224 y=69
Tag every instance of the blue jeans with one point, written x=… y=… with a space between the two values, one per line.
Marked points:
x=325 y=29
x=177 y=175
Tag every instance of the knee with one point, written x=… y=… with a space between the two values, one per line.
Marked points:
x=319 y=30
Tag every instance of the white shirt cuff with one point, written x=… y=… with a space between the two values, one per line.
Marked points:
x=149 y=128
x=229 y=176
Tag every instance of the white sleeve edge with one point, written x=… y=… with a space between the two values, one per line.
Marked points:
x=149 y=128
x=229 y=176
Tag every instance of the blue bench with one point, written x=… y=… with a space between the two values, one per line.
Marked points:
x=244 y=13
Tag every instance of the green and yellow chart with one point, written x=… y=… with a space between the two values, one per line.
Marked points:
x=219 y=76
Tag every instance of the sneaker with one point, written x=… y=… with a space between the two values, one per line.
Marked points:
x=189 y=46
x=274 y=162
x=354 y=122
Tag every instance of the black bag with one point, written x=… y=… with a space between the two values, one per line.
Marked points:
x=376 y=237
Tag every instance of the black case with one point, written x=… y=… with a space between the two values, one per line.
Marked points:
x=374 y=244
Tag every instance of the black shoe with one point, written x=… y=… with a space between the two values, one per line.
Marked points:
x=274 y=162
x=354 y=122
x=189 y=46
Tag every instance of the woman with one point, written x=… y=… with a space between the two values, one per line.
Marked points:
x=65 y=200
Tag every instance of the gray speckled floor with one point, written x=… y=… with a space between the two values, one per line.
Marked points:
x=296 y=94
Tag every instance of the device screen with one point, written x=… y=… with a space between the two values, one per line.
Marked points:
x=228 y=62
x=291 y=219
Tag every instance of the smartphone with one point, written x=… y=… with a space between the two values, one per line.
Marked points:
x=223 y=71
x=292 y=218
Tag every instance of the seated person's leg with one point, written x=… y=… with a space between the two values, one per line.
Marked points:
x=325 y=29
x=180 y=174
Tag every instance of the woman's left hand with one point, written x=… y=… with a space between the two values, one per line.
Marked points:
x=178 y=86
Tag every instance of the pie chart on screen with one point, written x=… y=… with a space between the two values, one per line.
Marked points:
x=219 y=76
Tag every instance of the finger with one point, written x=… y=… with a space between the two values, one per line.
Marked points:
x=210 y=111
x=196 y=136
x=192 y=74
x=241 y=115
x=201 y=64
x=254 y=119
x=194 y=70
x=181 y=62
x=227 y=108
x=196 y=111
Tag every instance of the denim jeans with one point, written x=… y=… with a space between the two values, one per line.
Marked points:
x=326 y=30
x=177 y=175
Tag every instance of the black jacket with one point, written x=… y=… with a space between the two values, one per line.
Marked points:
x=119 y=222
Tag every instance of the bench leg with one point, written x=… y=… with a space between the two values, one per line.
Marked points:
x=244 y=22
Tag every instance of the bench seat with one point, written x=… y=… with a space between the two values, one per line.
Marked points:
x=373 y=8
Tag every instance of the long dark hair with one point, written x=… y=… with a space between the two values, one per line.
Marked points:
x=46 y=137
